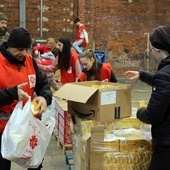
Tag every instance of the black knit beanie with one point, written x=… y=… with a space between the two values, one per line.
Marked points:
x=19 y=38
x=160 y=38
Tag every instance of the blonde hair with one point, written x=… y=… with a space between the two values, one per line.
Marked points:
x=53 y=43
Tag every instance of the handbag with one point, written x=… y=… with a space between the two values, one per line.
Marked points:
x=26 y=138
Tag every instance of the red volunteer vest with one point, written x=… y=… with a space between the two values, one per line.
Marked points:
x=104 y=73
x=11 y=76
x=69 y=75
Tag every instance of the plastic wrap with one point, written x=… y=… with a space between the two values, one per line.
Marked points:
x=114 y=145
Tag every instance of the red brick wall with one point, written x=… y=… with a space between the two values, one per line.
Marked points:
x=113 y=25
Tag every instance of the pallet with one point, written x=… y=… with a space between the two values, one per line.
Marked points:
x=63 y=146
x=69 y=159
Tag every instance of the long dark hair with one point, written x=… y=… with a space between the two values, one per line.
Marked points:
x=91 y=74
x=65 y=55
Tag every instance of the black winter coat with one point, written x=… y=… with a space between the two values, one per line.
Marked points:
x=157 y=112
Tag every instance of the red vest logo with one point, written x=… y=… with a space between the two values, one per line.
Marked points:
x=32 y=80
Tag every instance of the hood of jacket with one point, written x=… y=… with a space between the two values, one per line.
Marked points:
x=164 y=62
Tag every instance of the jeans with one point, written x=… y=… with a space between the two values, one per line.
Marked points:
x=77 y=46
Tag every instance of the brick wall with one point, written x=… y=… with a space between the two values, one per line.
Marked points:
x=118 y=27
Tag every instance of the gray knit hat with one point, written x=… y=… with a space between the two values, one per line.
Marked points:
x=160 y=38
x=3 y=16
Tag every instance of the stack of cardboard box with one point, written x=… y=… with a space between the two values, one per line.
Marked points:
x=96 y=147
x=62 y=123
x=102 y=121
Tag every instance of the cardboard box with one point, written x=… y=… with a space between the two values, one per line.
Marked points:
x=97 y=100
x=85 y=151
x=66 y=139
x=63 y=120
x=56 y=124
x=138 y=144
x=96 y=148
x=93 y=148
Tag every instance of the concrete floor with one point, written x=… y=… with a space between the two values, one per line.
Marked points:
x=55 y=159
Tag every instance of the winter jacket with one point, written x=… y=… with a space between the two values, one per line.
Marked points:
x=157 y=112
x=16 y=72
x=82 y=34
x=42 y=49
x=4 y=38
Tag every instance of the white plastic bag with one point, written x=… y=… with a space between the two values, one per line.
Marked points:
x=25 y=138
x=50 y=112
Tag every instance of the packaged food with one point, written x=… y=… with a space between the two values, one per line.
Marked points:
x=33 y=106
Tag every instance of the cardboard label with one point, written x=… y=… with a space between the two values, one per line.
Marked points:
x=108 y=97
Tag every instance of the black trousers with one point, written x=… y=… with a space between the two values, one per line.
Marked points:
x=160 y=158
x=6 y=164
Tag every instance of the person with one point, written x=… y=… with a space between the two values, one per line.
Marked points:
x=67 y=61
x=47 y=52
x=157 y=112
x=21 y=78
x=81 y=37
x=3 y=28
x=94 y=70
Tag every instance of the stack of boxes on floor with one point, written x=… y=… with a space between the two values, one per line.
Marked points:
x=105 y=136
x=62 y=126
x=110 y=147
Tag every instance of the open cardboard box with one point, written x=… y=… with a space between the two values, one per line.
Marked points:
x=97 y=100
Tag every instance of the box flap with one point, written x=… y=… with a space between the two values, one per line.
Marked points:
x=74 y=92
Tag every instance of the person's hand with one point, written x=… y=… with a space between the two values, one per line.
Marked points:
x=21 y=94
x=105 y=80
x=132 y=75
x=42 y=104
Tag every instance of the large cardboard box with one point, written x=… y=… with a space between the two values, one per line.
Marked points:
x=94 y=155
x=97 y=100
x=63 y=120
x=96 y=148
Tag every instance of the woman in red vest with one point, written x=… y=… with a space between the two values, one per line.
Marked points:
x=81 y=36
x=46 y=51
x=94 y=70
x=67 y=61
